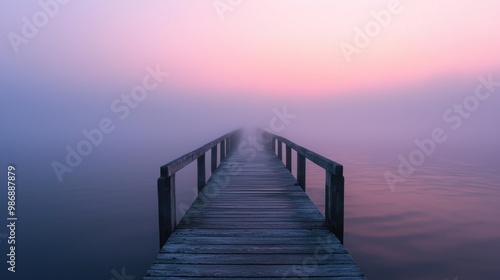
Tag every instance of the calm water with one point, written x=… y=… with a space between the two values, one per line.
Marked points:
x=441 y=223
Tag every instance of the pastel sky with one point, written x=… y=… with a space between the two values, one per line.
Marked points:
x=289 y=47
x=236 y=64
x=232 y=63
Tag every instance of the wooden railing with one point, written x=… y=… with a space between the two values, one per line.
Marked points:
x=334 y=185
x=166 y=182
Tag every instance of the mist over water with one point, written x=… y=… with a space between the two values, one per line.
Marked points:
x=102 y=216
x=67 y=92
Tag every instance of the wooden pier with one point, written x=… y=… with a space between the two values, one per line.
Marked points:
x=252 y=219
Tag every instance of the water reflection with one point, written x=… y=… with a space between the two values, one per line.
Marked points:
x=442 y=221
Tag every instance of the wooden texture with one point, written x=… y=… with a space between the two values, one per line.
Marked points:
x=288 y=151
x=280 y=150
x=166 y=207
x=202 y=177
x=222 y=150
x=334 y=204
x=213 y=158
x=252 y=220
x=301 y=171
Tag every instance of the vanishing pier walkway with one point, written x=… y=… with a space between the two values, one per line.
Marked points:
x=252 y=219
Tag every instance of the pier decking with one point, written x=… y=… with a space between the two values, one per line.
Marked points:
x=251 y=220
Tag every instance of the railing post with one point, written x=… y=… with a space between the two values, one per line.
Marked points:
x=166 y=207
x=214 y=159
x=236 y=140
x=222 y=152
x=301 y=171
x=334 y=202
x=201 y=173
x=280 y=150
x=273 y=144
x=228 y=146
x=289 y=158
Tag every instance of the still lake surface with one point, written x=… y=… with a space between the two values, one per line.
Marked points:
x=441 y=223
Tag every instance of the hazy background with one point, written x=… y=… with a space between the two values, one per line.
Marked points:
x=233 y=71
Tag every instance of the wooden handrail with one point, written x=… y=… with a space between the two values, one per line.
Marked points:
x=177 y=164
x=325 y=163
x=334 y=181
x=166 y=182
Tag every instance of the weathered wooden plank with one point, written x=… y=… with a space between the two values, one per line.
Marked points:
x=220 y=219
x=210 y=200
x=247 y=241
x=286 y=197
x=258 y=204
x=250 y=249
x=250 y=215
x=222 y=190
x=255 y=207
x=324 y=235
x=253 y=210
x=253 y=278
x=224 y=270
x=254 y=218
x=256 y=225
x=272 y=196
x=258 y=190
x=263 y=259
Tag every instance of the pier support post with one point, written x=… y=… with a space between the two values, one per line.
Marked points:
x=280 y=150
x=301 y=171
x=334 y=202
x=222 y=150
x=213 y=158
x=289 y=158
x=201 y=172
x=166 y=207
